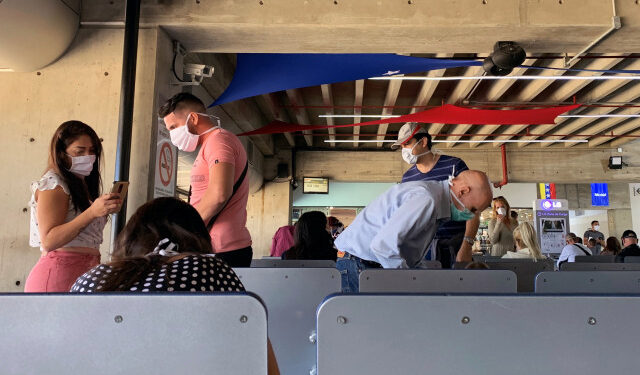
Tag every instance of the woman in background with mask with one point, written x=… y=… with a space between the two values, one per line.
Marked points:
x=501 y=227
x=68 y=213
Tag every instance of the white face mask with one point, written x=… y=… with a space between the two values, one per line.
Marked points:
x=82 y=165
x=183 y=139
x=596 y=227
x=409 y=157
x=501 y=211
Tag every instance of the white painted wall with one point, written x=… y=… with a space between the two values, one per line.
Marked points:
x=519 y=195
x=579 y=224
x=634 y=197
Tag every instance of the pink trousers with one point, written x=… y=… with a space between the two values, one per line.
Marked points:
x=58 y=270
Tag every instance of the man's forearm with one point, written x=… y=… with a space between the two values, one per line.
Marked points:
x=209 y=208
x=466 y=249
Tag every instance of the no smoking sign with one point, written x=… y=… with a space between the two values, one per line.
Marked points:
x=165 y=164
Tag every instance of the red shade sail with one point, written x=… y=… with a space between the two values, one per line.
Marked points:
x=447 y=114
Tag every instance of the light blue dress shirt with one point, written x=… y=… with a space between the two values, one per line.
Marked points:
x=397 y=227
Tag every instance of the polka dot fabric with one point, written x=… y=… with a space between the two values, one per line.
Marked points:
x=194 y=273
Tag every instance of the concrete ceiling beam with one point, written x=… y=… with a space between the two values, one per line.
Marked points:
x=271 y=106
x=327 y=101
x=295 y=97
x=389 y=100
x=382 y=26
x=357 y=110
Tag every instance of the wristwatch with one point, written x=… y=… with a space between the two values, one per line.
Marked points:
x=469 y=240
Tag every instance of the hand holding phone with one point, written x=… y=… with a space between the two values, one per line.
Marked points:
x=120 y=188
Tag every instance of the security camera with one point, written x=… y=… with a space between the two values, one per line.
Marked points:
x=198 y=71
x=187 y=74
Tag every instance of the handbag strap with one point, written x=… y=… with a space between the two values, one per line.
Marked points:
x=236 y=186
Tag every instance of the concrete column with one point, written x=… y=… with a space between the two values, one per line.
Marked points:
x=84 y=85
x=634 y=196
x=267 y=210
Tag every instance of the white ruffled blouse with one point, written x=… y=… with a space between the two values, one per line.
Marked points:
x=90 y=236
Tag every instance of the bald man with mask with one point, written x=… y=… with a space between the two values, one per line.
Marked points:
x=395 y=229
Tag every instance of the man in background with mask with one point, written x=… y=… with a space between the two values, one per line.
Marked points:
x=395 y=229
x=453 y=240
x=219 y=182
x=594 y=232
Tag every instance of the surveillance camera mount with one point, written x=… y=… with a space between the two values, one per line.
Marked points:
x=187 y=74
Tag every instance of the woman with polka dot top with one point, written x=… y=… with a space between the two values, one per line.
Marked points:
x=165 y=246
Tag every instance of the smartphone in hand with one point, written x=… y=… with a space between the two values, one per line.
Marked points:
x=120 y=187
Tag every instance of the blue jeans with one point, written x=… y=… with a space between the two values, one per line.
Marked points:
x=350 y=268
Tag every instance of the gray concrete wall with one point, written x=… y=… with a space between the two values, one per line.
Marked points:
x=83 y=85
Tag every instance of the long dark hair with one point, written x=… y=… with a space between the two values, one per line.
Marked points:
x=82 y=191
x=613 y=245
x=311 y=239
x=154 y=221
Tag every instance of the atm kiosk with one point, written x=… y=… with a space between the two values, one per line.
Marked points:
x=552 y=224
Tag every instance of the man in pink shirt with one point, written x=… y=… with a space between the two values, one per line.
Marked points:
x=219 y=181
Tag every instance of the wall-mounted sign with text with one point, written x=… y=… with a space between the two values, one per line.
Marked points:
x=599 y=194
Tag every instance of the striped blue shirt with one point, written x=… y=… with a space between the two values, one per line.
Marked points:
x=440 y=172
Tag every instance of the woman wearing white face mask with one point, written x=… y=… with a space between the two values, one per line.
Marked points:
x=501 y=228
x=68 y=214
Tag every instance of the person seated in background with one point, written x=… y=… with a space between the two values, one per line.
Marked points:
x=501 y=227
x=312 y=239
x=630 y=246
x=477 y=266
x=165 y=246
x=526 y=244
x=395 y=229
x=335 y=226
x=282 y=240
x=612 y=247
x=574 y=248
x=592 y=245
x=514 y=217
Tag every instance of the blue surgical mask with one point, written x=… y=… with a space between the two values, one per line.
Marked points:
x=460 y=215
x=456 y=213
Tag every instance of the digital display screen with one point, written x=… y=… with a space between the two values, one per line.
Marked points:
x=315 y=185
x=599 y=194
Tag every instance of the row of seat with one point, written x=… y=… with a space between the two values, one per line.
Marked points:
x=526 y=270
x=130 y=333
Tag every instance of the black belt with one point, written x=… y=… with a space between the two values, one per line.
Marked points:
x=368 y=263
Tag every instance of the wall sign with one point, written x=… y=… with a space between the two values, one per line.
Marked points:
x=599 y=194
x=315 y=185
x=166 y=164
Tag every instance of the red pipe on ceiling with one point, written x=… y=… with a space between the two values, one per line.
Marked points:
x=505 y=174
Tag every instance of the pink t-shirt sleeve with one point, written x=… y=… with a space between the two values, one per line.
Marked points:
x=220 y=150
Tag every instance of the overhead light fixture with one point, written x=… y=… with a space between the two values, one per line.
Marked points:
x=615 y=162
x=354 y=116
x=467 y=141
x=598 y=116
x=531 y=78
x=6 y=70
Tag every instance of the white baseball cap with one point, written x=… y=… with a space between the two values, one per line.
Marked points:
x=407 y=131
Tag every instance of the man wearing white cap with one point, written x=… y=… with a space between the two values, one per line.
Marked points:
x=453 y=240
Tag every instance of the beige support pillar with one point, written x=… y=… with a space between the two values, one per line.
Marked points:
x=267 y=210
x=84 y=84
